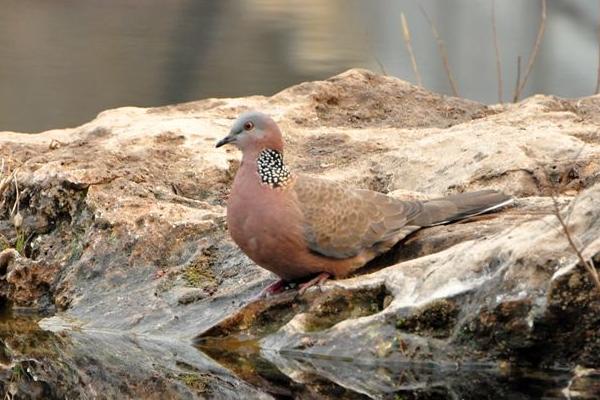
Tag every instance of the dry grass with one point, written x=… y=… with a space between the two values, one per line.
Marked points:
x=588 y=264
x=15 y=212
x=534 y=53
x=408 y=42
x=380 y=64
x=442 y=50
x=497 y=53
x=518 y=77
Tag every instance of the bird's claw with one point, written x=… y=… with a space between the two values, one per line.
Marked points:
x=280 y=286
x=274 y=288
x=318 y=281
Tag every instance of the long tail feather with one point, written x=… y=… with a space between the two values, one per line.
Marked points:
x=460 y=206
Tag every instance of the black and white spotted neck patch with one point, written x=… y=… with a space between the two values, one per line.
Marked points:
x=271 y=169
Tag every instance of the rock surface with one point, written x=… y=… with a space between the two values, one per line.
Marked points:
x=121 y=236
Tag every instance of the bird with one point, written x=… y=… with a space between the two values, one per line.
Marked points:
x=308 y=228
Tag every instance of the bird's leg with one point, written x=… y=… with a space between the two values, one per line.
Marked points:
x=317 y=280
x=274 y=288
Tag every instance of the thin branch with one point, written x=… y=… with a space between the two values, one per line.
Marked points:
x=369 y=48
x=442 y=49
x=380 y=64
x=4 y=184
x=17 y=200
x=407 y=41
x=497 y=50
x=588 y=264
x=516 y=94
x=598 y=40
x=534 y=52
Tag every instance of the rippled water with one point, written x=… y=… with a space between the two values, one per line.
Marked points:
x=64 y=61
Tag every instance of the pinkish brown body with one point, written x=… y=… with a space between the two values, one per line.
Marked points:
x=297 y=226
x=271 y=232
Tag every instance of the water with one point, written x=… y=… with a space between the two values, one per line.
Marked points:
x=290 y=376
x=35 y=363
x=64 y=61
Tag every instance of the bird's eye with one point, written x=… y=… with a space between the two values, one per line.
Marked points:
x=248 y=126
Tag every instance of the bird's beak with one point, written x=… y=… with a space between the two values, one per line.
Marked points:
x=227 y=139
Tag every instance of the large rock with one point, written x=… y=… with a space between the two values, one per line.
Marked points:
x=123 y=233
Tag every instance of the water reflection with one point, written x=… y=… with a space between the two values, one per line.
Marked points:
x=5 y=310
x=64 y=61
x=295 y=377
x=39 y=364
x=72 y=363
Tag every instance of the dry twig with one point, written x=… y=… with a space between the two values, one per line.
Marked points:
x=5 y=179
x=369 y=48
x=534 y=52
x=407 y=41
x=442 y=49
x=588 y=264
x=497 y=51
x=380 y=64
x=515 y=98
x=16 y=205
x=564 y=224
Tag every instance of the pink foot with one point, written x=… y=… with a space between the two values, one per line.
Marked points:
x=318 y=280
x=274 y=288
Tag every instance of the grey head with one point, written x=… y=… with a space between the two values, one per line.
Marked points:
x=254 y=131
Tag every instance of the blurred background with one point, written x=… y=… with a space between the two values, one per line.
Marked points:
x=64 y=61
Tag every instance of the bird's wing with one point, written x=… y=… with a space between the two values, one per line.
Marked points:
x=340 y=222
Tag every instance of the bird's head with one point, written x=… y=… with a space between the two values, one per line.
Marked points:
x=254 y=132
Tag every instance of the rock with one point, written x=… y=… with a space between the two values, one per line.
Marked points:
x=104 y=364
x=27 y=281
x=123 y=232
x=584 y=385
x=190 y=295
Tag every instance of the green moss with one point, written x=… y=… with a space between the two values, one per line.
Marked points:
x=199 y=272
x=338 y=306
x=113 y=239
x=197 y=382
x=401 y=323
x=76 y=249
x=4 y=243
x=436 y=319
x=274 y=317
x=17 y=373
x=20 y=242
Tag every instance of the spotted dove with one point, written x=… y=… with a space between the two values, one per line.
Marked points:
x=300 y=226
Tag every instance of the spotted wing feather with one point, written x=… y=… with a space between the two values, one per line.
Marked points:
x=341 y=222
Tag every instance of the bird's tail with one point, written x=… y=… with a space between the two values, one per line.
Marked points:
x=460 y=206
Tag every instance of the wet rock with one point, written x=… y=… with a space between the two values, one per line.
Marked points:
x=190 y=295
x=585 y=384
x=123 y=231
x=41 y=365
x=27 y=282
x=518 y=295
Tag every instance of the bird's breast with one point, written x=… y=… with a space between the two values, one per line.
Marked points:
x=266 y=223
